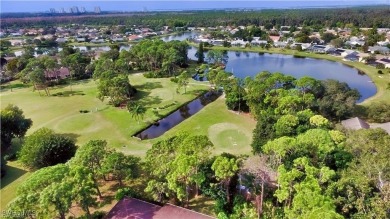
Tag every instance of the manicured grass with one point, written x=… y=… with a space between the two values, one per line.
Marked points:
x=381 y=80
x=228 y=131
x=14 y=177
x=61 y=113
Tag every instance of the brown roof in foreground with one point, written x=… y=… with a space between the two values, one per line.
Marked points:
x=131 y=208
x=169 y=211
x=355 y=124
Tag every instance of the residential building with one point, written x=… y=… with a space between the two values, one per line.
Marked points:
x=61 y=73
x=350 y=55
x=355 y=124
x=379 y=49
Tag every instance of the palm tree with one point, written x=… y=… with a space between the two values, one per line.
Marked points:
x=136 y=110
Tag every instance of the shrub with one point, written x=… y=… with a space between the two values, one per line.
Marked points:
x=84 y=111
x=45 y=148
x=380 y=72
x=125 y=192
x=380 y=66
x=175 y=80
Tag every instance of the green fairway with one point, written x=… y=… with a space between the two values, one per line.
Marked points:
x=114 y=124
x=228 y=131
x=15 y=176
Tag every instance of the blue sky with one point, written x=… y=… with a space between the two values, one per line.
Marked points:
x=132 y=5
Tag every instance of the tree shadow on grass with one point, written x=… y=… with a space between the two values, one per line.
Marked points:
x=8 y=87
x=193 y=92
x=144 y=98
x=12 y=174
x=149 y=86
x=148 y=101
x=141 y=94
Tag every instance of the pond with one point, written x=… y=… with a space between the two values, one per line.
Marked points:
x=243 y=64
x=185 y=111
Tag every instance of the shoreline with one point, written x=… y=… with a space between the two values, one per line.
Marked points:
x=382 y=93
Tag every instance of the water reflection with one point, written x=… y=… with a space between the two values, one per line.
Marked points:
x=178 y=116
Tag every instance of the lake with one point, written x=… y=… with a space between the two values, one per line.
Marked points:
x=243 y=64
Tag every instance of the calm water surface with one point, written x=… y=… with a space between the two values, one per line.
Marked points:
x=244 y=64
x=178 y=116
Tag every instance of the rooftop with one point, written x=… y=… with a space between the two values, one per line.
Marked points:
x=131 y=208
x=355 y=124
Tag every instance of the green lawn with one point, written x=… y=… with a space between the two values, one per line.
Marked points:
x=61 y=113
x=228 y=131
x=15 y=176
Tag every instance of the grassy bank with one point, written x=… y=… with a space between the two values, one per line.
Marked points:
x=228 y=131
x=381 y=80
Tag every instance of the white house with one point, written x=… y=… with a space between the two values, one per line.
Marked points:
x=240 y=42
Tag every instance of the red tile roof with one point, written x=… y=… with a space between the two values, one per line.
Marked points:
x=131 y=208
x=59 y=73
x=176 y=212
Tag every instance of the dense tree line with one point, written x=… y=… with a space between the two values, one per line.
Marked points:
x=160 y=58
x=334 y=17
x=278 y=101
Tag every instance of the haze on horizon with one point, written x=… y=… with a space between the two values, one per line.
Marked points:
x=148 y=5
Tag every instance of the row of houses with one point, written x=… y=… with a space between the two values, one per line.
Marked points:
x=80 y=33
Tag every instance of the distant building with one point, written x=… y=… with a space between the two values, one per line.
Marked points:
x=97 y=10
x=350 y=55
x=52 y=10
x=61 y=73
x=379 y=49
x=75 y=9
x=82 y=10
x=62 y=10
x=134 y=37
